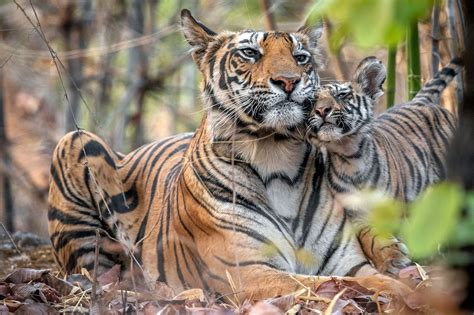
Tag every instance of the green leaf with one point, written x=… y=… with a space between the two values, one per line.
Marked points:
x=433 y=218
x=464 y=233
x=370 y=22
x=385 y=217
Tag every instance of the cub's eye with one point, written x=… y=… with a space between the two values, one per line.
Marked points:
x=249 y=52
x=344 y=95
x=302 y=59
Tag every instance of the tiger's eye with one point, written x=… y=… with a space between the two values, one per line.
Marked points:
x=345 y=95
x=249 y=52
x=302 y=59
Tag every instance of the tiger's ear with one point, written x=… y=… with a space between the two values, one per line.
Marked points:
x=313 y=31
x=197 y=34
x=370 y=76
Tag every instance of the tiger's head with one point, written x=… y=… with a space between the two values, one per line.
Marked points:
x=255 y=83
x=345 y=108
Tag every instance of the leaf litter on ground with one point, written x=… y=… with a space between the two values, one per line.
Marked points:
x=44 y=291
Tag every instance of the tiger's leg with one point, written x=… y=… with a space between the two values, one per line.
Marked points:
x=82 y=183
x=388 y=254
x=265 y=282
x=258 y=279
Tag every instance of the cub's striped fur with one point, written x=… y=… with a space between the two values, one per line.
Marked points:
x=400 y=152
x=198 y=207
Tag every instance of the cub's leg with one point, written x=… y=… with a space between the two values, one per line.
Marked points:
x=84 y=186
x=387 y=253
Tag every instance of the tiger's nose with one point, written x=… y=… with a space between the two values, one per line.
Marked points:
x=323 y=111
x=286 y=82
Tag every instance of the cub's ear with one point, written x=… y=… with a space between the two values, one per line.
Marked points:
x=197 y=34
x=370 y=76
x=314 y=31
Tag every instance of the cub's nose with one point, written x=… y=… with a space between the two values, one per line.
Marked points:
x=286 y=82
x=323 y=111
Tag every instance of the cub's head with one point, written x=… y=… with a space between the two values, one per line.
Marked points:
x=343 y=109
x=257 y=82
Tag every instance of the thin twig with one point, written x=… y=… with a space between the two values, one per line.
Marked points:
x=133 y=283
x=96 y=266
x=11 y=238
x=5 y=61
x=124 y=295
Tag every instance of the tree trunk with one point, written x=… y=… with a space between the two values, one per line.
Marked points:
x=136 y=68
x=435 y=37
x=8 y=210
x=270 y=24
x=413 y=60
x=461 y=155
x=75 y=33
x=391 y=75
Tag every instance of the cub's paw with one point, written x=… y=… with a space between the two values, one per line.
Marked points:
x=392 y=257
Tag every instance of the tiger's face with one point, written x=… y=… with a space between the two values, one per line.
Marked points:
x=343 y=109
x=255 y=81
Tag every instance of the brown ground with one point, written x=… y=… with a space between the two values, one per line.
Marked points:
x=40 y=290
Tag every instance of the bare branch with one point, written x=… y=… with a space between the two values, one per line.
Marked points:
x=5 y=61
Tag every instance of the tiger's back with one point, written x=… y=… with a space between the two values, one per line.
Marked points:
x=116 y=203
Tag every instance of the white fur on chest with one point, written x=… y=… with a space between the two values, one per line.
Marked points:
x=285 y=200
x=278 y=164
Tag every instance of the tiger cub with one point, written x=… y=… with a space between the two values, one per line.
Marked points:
x=400 y=152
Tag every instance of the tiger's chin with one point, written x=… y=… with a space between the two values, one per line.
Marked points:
x=329 y=133
x=283 y=116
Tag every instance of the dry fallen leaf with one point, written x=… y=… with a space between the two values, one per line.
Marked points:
x=110 y=276
x=60 y=285
x=4 y=310
x=191 y=294
x=80 y=281
x=262 y=308
x=36 y=309
x=283 y=302
x=23 y=275
x=4 y=290
x=163 y=291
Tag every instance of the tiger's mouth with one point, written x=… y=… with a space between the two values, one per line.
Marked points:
x=283 y=115
x=323 y=131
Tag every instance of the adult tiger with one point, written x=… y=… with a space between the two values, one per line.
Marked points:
x=200 y=206
x=400 y=152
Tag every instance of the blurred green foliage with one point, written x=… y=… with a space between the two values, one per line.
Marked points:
x=443 y=215
x=369 y=22
x=386 y=218
x=432 y=219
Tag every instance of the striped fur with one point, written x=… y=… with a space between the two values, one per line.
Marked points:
x=400 y=152
x=240 y=197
